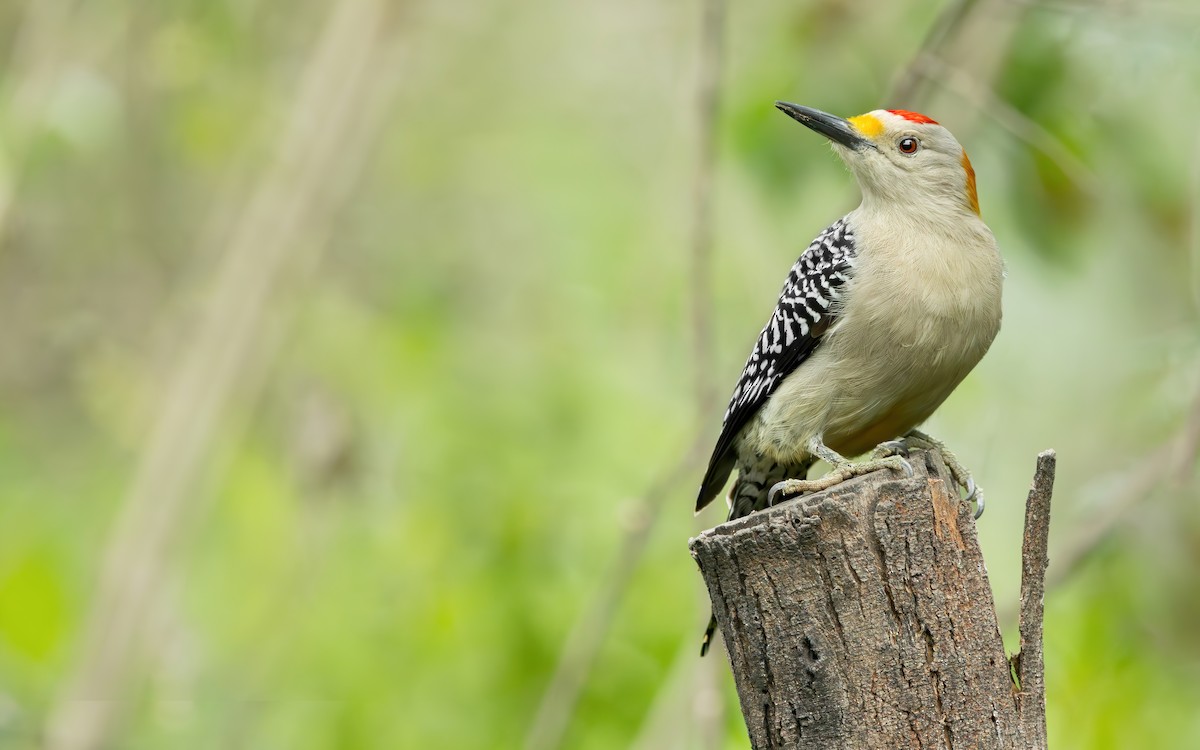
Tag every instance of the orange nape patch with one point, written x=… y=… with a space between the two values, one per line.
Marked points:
x=972 y=194
x=916 y=117
x=868 y=124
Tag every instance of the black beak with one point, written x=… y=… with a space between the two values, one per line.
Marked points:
x=832 y=127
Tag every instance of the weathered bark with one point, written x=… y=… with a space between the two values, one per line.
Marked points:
x=862 y=617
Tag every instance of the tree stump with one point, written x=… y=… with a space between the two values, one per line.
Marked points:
x=862 y=617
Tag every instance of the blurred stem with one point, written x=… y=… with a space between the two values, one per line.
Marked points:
x=1118 y=495
x=907 y=87
x=40 y=44
x=969 y=36
x=707 y=704
x=1115 y=7
x=1194 y=226
x=147 y=207
x=687 y=710
x=292 y=204
x=1024 y=129
x=591 y=629
x=708 y=103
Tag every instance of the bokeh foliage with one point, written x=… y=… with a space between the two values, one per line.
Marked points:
x=407 y=511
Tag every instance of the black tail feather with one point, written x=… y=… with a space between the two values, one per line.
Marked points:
x=709 y=632
x=749 y=494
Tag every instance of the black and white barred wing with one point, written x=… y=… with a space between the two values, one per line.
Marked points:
x=807 y=307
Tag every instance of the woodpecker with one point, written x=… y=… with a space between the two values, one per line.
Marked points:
x=879 y=320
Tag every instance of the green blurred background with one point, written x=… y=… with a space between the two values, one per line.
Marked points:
x=349 y=368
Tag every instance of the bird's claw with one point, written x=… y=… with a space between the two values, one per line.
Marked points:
x=975 y=495
x=788 y=486
x=890 y=448
x=962 y=478
x=904 y=465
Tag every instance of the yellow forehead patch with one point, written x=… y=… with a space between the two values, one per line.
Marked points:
x=869 y=125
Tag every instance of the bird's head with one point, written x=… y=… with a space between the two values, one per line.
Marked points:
x=900 y=157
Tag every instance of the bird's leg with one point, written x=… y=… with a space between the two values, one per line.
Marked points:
x=843 y=469
x=958 y=472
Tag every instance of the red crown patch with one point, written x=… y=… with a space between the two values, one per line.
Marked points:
x=916 y=117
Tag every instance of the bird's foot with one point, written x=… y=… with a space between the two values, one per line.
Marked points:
x=842 y=471
x=958 y=472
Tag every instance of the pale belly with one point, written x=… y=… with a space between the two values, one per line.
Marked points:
x=870 y=382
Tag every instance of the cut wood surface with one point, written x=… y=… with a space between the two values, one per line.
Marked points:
x=862 y=617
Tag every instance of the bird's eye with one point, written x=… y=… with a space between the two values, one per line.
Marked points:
x=908 y=145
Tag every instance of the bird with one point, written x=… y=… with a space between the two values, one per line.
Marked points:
x=879 y=320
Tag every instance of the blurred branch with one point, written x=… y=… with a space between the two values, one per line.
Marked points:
x=664 y=726
x=561 y=695
x=1172 y=461
x=681 y=716
x=590 y=630
x=1194 y=225
x=40 y=44
x=316 y=163
x=706 y=709
x=39 y=47
x=1142 y=9
x=906 y=88
x=987 y=101
x=929 y=64
x=708 y=107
